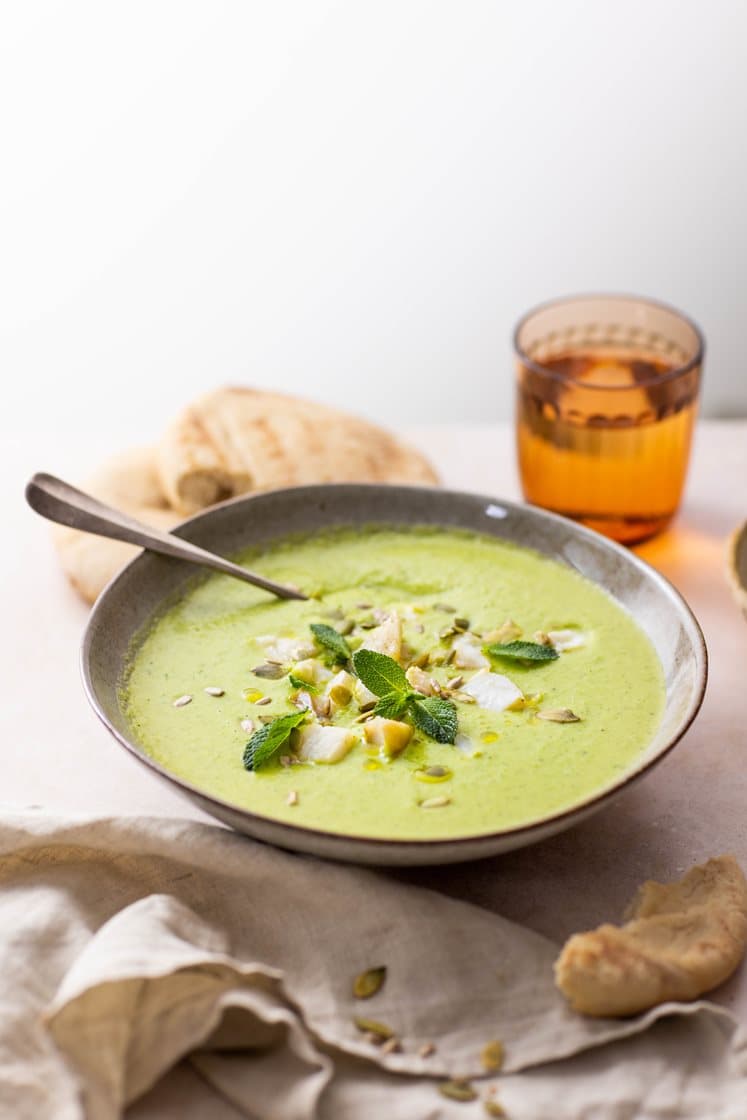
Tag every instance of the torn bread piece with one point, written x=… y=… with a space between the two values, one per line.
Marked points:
x=682 y=939
x=236 y=440
x=130 y=483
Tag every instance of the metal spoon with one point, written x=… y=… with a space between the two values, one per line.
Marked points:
x=58 y=501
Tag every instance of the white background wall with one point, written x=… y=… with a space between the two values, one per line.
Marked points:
x=354 y=200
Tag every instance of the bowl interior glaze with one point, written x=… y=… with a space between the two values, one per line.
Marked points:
x=149 y=582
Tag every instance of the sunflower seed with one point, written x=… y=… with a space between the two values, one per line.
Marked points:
x=426 y=1050
x=435 y=802
x=392 y=1046
x=559 y=715
x=269 y=671
x=455 y=682
x=211 y=691
x=292 y=798
x=263 y=700
x=182 y=701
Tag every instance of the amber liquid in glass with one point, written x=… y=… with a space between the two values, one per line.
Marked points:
x=604 y=437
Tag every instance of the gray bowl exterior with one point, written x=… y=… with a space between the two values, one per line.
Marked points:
x=150 y=581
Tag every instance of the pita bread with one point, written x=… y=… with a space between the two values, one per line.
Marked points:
x=130 y=483
x=238 y=439
x=682 y=939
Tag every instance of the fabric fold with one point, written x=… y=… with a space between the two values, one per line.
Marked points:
x=159 y=941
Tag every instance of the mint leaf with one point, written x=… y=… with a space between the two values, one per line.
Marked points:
x=379 y=673
x=299 y=682
x=391 y=705
x=524 y=651
x=434 y=716
x=330 y=640
x=265 y=742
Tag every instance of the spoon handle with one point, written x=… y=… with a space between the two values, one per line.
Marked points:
x=58 y=501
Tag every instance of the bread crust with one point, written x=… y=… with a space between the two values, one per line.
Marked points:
x=236 y=440
x=128 y=482
x=681 y=940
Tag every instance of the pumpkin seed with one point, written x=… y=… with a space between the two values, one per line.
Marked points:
x=457 y=1091
x=491 y=1056
x=461 y=624
x=493 y=1108
x=371 y=1026
x=559 y=715
x=369 y=982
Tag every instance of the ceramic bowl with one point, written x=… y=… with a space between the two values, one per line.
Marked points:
x=736 y=565
x=137 y=593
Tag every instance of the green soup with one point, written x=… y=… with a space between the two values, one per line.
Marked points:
x=447 y=590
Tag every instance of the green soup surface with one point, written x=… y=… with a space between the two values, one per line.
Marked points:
x=506 y=769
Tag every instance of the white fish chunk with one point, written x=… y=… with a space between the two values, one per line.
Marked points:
x=386 y=637
x=563 y=640
x=319 y=743
x=493 y=691
x=340 y=689
x=390 y=734
x=421 y=681
x=311 y=671
x=468 y=653
x=285 y=650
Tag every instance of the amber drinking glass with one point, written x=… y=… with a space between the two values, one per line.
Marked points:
x=607 y=398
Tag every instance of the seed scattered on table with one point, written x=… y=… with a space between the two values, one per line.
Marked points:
x=369 y=982
x=493 y=1108
x=491 y=1056
x=392 y=1046
x=292 y=798
x=182 y=701
x=457 y=1090
x=426 y=1050
x=212 y=690
x=378 y=1032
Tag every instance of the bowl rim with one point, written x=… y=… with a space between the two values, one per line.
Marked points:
x=373 y=843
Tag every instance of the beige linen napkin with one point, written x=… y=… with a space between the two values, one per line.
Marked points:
x=198 y=973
